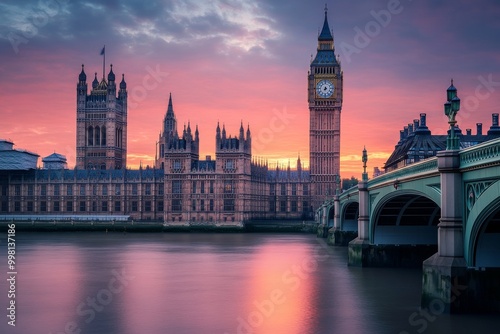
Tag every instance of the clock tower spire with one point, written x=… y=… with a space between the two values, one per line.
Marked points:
x=325 y=81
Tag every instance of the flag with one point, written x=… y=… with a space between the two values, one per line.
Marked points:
x=103 y=50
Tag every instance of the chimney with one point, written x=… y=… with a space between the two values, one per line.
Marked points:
x=406 y=131
x=423 y=117
x=410 y=129
x=208 y=158
x=415 y=124
x=479 y=127
x=468 y=132
x=494 y=129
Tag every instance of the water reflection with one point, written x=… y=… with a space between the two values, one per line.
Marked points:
x=46 y=287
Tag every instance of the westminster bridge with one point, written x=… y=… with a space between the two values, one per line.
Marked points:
x=442 y=213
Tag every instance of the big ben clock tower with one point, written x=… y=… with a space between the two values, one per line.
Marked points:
x=325 y=82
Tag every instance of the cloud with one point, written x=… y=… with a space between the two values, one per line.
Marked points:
x=230 y=60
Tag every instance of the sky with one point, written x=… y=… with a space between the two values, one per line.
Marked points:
x=237 y=61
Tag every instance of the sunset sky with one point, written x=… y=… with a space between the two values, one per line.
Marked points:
x=235 y=60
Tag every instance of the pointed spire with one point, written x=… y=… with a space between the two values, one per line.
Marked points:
x=217 y=133
x=169 y=122
x=299 y=166
x=170 y=109
x=111 y=75
x=82 y=77
x=123 y=84
x=325 y=34
x=95 y=83
x=242 y=132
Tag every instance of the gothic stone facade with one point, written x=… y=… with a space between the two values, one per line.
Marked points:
x=325 y=93
x=101 y=123
x=232 y=187
x=229 y=188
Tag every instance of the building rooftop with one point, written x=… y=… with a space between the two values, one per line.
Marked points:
x=15 y=159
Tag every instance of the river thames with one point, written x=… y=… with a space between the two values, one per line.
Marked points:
x=131 y=283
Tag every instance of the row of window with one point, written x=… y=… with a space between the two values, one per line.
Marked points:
x=324 y=70
x=68 y=206
x=201 y=186
x=82 y=189
x=96 y=136
x=96 y=116
x=283 y=189
x=229 y=188
x=96 y=154
x=283 y=206
x=203 y=205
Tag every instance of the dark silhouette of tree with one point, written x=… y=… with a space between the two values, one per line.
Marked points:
x=348 y=183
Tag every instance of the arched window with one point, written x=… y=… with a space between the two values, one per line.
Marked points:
x=90 y=136
x=119 y=137
x=97 y=136
x=103 y=136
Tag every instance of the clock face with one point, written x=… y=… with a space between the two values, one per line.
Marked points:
x=325 y=88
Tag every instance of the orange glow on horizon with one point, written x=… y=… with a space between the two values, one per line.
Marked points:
x=265 y=88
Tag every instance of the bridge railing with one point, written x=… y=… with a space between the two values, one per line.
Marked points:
x=422 y=167
x=351 y=192
x=482 y=154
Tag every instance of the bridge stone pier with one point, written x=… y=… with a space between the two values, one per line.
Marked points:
x=441 y=214
x=445 y=272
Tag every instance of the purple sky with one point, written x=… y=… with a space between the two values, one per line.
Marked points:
x=236 y=61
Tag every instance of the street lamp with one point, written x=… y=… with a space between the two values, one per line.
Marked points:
x=451 y=107
x=365 y=160
x=337 y=184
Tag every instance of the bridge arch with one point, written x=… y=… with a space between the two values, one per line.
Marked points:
x=482 y=229
x=405 y=217
x=349 y=214
x=330 y=215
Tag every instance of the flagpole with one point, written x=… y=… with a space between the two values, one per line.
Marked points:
x=104 y=63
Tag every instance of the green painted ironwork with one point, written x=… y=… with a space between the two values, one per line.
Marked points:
x=480 y=155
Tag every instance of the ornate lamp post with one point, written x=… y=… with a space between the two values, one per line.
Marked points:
x=365 y=160
x=337 y=184
x=451 y=107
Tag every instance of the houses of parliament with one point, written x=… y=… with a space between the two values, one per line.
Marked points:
x=181 y=188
